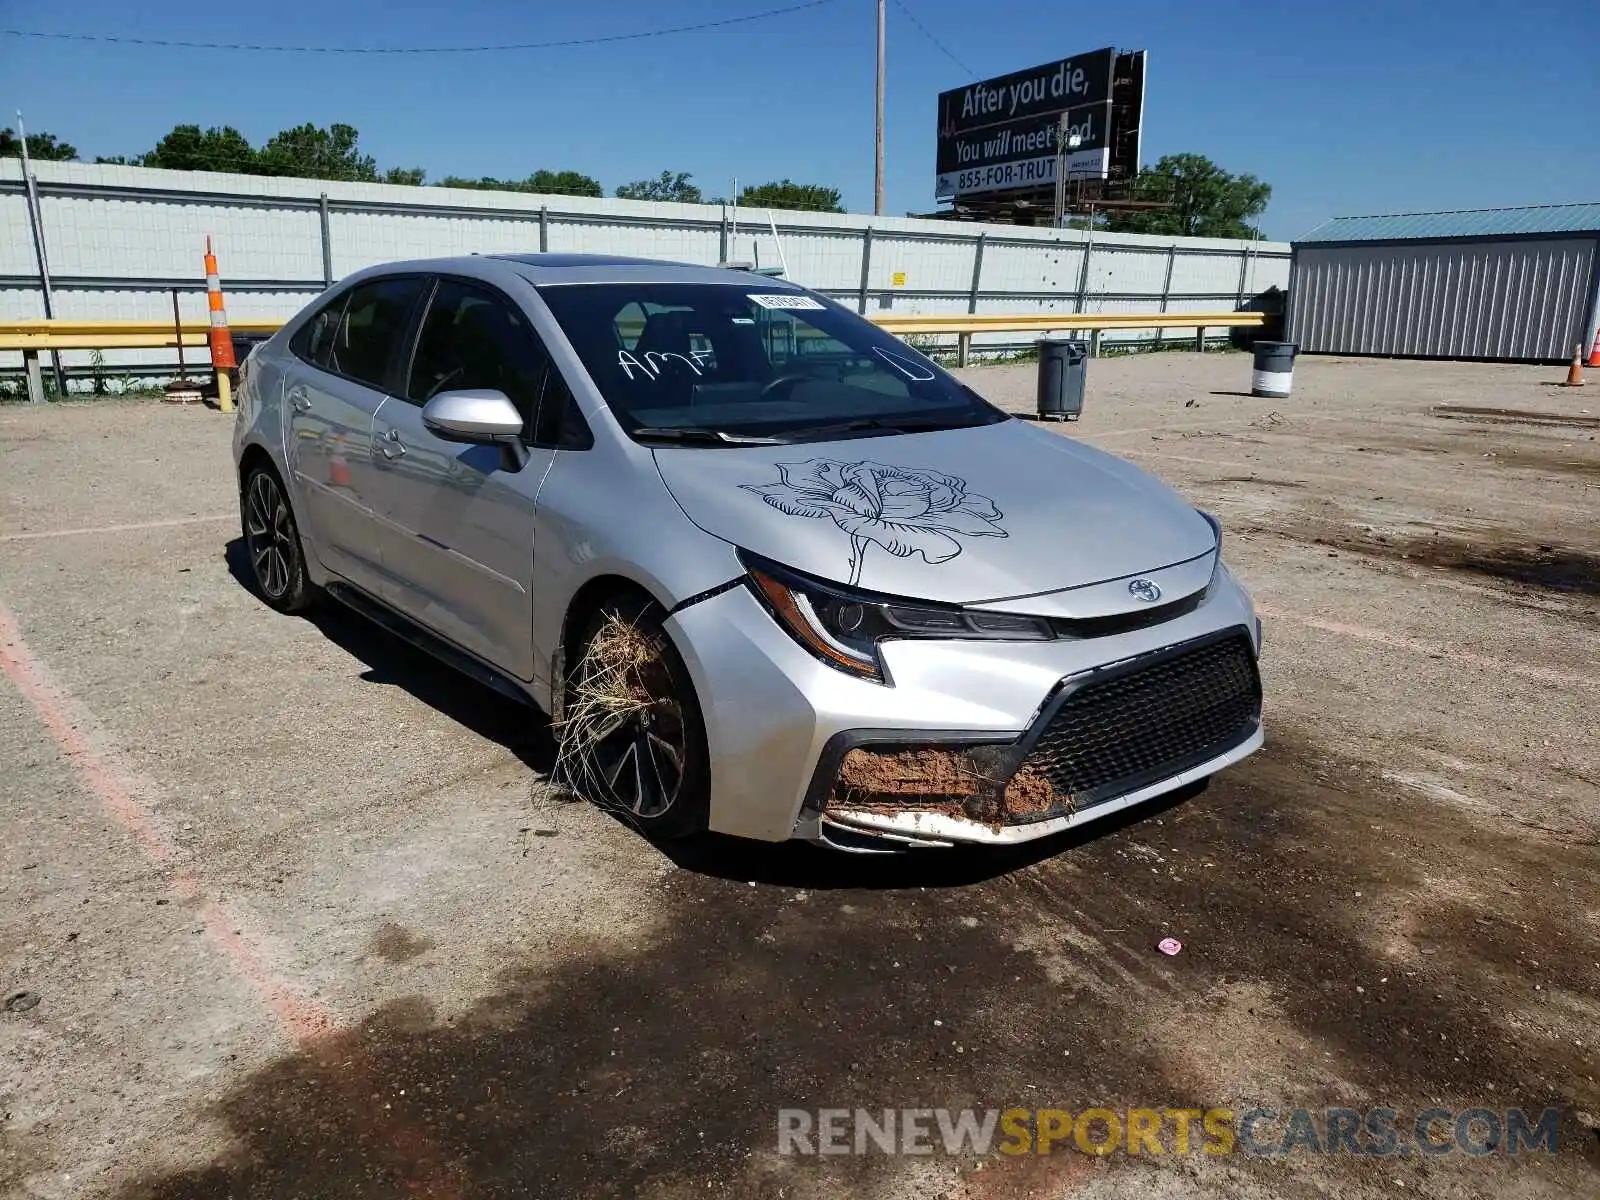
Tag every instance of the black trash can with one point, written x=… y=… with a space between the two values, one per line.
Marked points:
x=1063 y=367
x=1274 y=369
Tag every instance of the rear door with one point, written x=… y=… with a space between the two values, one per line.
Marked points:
x=346 y=357
x=459 y=519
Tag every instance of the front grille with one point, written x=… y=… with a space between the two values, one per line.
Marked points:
x=1134 y=725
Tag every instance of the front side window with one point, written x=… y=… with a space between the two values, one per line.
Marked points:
x=473 y=337
x=370 y=328
x=732 y=359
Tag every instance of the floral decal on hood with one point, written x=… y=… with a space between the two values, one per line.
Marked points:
x=904 y=510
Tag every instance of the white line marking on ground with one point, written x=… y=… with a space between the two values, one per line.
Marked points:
x=42 y=534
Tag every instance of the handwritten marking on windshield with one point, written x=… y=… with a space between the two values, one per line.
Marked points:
x=651 y=364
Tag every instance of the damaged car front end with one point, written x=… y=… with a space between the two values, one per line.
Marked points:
x=937 y=725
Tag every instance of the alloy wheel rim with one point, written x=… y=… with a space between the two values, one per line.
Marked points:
x=269 y=536
x=639 y=754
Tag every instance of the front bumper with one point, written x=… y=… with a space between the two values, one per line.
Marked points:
x=772 y=712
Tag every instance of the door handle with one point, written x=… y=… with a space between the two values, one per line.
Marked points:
x=390 y=444
x=300 y=401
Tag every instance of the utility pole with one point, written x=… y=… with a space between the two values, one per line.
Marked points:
x=877 y=175
x=30 y=191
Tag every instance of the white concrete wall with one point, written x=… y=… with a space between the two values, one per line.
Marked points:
x=119 y=238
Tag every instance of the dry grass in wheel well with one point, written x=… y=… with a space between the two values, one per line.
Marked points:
x=607 y=689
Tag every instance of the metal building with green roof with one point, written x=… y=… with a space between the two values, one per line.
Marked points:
x=1518 y=284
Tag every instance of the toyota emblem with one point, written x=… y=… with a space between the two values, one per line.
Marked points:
x=1144 y=589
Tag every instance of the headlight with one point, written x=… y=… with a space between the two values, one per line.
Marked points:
x=844 y=627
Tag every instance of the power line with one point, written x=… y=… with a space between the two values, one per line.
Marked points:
x=589 y=41
x=927 y=33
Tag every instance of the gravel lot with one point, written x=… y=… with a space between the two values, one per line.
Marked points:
x=302 y=919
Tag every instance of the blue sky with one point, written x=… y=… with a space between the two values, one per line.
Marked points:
x=1352 y=107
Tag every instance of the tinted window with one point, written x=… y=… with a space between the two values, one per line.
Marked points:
x=371 y=326
x=740 y=359
x=560 y=423
x=316 y=335
x=473 y=337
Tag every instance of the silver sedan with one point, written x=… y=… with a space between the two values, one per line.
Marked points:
x=770 y=571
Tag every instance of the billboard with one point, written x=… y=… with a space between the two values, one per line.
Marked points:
x=1002 y=134
x=1023 y=153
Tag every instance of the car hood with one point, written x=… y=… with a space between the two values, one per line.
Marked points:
x=961 y=515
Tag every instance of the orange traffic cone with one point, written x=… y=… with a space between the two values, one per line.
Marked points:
x=1575 y=371
x=1594 y=351
x=339 y=465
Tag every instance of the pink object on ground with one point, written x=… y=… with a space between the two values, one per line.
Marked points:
x=1169 y=946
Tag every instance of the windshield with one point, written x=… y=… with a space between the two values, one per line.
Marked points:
x=714 y=363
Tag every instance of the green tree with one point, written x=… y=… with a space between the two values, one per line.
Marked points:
x=310 y=152
x=559 y=183
x=42 y=146
x=414 y=176
x=1200 y=198
x=671 y=186
x=785 y=193
x=187 y=148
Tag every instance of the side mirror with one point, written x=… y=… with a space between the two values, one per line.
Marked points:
x=481 y=416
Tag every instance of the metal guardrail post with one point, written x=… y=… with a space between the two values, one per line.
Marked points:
x=1200 y=339
x=964 y=340
x=1094 y=342
x=866 y=267
x=1166 y=290
x=30 y=195
x=30 y=363
x=544 y=229
x=977 y=273
x=327 y=241
x=1083 y=274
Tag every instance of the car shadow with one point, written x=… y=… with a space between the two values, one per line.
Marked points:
x=394 y=662
x=804 y=865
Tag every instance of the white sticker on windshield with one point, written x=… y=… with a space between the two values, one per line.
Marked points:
x=784 y=300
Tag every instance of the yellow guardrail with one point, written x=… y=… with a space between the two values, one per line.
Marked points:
x=964 y=325
x=33 y=336
x=1029 y=322
x=40 y=334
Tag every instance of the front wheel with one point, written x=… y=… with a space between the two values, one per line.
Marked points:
x=632 y=736
x=272 y=542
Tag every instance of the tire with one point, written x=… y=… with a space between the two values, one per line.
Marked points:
x=633 y=738
x=272 y=543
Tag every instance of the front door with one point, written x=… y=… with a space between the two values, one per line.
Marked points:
x=334 y=390
x=458 y=520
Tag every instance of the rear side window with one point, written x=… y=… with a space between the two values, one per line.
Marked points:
x=370 y=328
x=316 y=335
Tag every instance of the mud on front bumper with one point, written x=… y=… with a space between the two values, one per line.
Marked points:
x=1103 y=740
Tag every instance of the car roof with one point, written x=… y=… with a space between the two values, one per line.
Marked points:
x=547 y=269
x=543 y=270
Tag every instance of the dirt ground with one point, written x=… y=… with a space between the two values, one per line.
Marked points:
x=302 y=920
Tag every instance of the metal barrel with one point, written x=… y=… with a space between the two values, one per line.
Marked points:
x=1274 y=369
